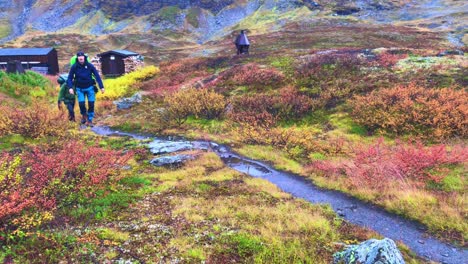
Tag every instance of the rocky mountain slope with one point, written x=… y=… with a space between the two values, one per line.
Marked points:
x=207 y=18
x=165 y=29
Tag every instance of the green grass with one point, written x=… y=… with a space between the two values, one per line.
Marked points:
x=344 y=123
x=279 y=159
x=128 y=126
x=317 y=156
x=113 y=235
x=119 y=143
x=284 y=64
x=8 y=142
x=108 y=203
x=103 y=206
x=26 y=87
x=213 y=126
x=243 y=244
x=196 y=253
x=135 y=181
x=454 y=180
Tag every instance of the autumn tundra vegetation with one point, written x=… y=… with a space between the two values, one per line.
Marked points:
x=387 y=126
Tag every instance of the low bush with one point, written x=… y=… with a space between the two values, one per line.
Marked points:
x=286 y=104
x=201 y=103
x=34 y=121
x=380 y=165
x=33 y=185
x=411 y=109
x=252 y=75
x=127 y=84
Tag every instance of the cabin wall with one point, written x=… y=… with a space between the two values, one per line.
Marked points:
x=53 y=62
x=50 y=61
x=112 y=67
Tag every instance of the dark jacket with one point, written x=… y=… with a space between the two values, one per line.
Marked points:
x=242 y=40
x=82 y=75
x=64 y=95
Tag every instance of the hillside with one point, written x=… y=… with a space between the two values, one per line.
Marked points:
x=160 y=30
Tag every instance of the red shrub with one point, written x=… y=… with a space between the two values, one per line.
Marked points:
x=44 y=179
x=252 y=75
x=379 y=164
x=386 y=59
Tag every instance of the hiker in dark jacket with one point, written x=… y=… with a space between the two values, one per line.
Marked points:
x=242 y=43
x=81 y=76
x=67 y=98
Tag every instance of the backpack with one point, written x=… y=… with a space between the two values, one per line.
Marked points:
x=62 y=78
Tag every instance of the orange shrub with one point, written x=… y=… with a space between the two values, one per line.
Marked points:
x=411 y=109
x=34 y=121
x=201 y=103
x=286 y=104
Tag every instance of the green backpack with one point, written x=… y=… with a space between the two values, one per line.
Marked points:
x=73 y=60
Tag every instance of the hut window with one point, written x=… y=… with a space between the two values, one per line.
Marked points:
x=112 y=57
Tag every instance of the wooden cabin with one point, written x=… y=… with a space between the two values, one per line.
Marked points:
x=42 y=60
x=117 y=62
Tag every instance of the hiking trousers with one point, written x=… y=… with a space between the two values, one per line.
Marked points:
x=71 y=110
x=84 y=93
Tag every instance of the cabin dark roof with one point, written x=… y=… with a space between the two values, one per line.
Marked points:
x=125 y=53
x=25 y=51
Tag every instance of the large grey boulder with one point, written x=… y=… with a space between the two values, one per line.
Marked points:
x=158 y=146
x=126 y=103
x=171 y=160
x=372 y=251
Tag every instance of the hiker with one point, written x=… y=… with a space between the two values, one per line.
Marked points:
x=242 y=43
x=66 y=97
x=81 y=77
x=73 y=59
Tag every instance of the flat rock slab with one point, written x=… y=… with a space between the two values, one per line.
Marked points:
x=371 y=251
x=126 y=103
x=171 y=160
x=158 y=146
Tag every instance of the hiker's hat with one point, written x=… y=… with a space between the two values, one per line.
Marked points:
x=80 y=53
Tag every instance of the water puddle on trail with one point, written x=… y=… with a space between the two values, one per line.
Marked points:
x=349 y=208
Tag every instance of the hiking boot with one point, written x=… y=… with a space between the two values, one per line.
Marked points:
x=84 y=119
x=89 y=123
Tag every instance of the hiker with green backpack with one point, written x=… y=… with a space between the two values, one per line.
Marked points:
x=66 y=97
